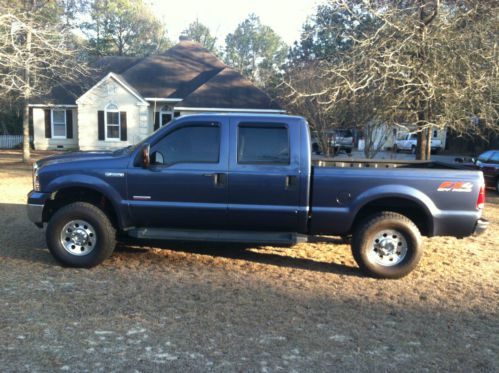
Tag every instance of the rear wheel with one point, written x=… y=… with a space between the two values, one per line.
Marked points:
x=80 y=235
x=387 y=245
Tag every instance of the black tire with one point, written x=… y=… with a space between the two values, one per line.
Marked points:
x=348 y=150
x=105 y=235
x=364 y=247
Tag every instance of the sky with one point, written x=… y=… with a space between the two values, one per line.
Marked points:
x=286 y=17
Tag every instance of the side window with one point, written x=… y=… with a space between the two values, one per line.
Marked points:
x=198 y=143
x=495 y=158
x=485 y=156
x=262 y=144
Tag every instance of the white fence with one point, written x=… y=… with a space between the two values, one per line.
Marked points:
x=11 y=141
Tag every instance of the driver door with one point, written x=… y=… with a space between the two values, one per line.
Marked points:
x=186 y=184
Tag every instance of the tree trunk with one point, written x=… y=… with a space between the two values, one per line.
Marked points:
x=27 y=96
x=424 y=139
x=26 y=145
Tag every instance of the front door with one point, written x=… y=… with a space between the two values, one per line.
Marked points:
x=264 y=178
x=186 y=184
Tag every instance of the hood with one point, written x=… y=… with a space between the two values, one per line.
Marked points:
x=74 y=157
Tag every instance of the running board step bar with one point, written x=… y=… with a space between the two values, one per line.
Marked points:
x=284 y=238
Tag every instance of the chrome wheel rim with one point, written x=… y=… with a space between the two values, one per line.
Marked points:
x=78 y=237
x=388 y=248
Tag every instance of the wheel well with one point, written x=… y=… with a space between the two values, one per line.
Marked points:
x=406 y=207
x=66 y=196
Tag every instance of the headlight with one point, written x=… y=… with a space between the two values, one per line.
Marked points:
x=36 y=180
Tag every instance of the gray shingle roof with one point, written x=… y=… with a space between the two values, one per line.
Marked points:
x=229 y=89
x=187 y=70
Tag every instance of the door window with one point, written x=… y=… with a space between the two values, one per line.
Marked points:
x=485 y=156
x=263 y=144
x=191 y=144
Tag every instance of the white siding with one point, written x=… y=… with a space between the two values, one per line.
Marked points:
x=110 y=92
x=42 y=143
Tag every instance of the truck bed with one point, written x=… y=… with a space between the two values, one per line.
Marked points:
x=341 y=188
x=384 y=163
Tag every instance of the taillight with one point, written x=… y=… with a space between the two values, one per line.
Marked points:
x=480 y=202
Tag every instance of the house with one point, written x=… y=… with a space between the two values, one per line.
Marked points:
x=129 y=98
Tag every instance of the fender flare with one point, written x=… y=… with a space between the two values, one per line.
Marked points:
x=400 y=192
x=89 y=182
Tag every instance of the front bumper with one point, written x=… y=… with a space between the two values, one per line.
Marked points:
x=36 y=203
x=35 y=214
x=480 y=226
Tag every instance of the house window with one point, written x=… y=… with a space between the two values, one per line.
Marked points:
x=165 y=115
x=58 y=124
x=113 y=124
x=435 y=133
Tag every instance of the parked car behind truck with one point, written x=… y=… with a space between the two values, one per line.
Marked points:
x=339 y=140
x=488 y=163
x=248 y=178
x=409 y=141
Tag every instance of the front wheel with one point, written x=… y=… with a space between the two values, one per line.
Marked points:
x=387 y=245
x=80 y=235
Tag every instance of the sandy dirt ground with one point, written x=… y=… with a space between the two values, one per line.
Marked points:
x=226 y=308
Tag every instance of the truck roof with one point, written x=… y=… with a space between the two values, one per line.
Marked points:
x=242 y=115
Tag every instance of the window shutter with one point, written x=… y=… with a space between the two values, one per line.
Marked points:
x=69 y=124
x=156 y=120
x=48 y=127
x=123 y=125
x=100 y=123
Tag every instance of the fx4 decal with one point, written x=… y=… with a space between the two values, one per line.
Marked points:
x=455 y=186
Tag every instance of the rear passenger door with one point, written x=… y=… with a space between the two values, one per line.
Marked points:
x=264 y=182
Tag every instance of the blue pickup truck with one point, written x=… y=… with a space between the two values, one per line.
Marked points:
x=248 y=178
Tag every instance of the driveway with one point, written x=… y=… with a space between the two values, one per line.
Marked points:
x=226 y=308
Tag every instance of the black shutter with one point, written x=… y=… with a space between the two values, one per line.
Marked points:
x=48 y=127
x=123 y=125
x=100 y=122
x=156 y=120
x=69 y=124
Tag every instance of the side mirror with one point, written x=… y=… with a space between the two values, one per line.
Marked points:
x=146 y=159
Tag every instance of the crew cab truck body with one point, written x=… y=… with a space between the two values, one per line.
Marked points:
x=248 y=178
